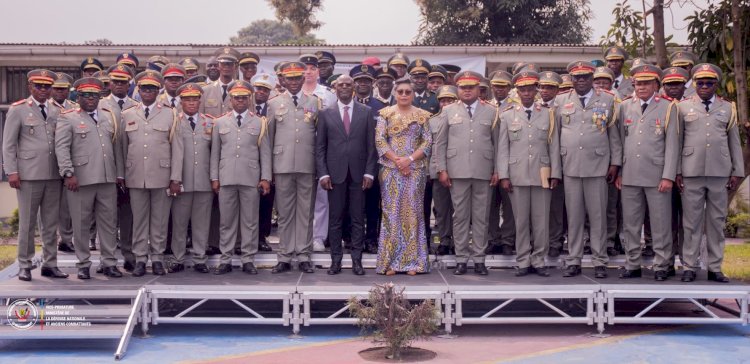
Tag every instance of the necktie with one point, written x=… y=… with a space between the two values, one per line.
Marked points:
x=192 y=122
x=258 y=108
x=294 y=98
x=643 y=107
x=145 y=112
x=173 y=102
x=93 y=118
x=347 y=121
x=44 y=113
x=468 y=108
x=120 y=103
x=583 y=101
x=239 y=120
x=528 y=114
x=705 y=102
x=224 y=95
x=617 y=83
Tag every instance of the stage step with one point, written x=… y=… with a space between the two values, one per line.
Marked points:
x=95 y=331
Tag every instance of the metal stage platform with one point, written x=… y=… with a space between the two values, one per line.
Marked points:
x=116 y=306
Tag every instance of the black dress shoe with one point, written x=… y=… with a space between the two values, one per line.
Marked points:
x=688 y=276
x=553 y=252
x=223 y=269
x=648 y=251
x=586 y=249
x=357 y=268
x=371 y=248
x=660 y=275
x=129 y=266
x=521 y=272
x=335 y=268
x=24 y=274
x=92 y=244
x=249 y=268
x=263 y=246
x=460 y=269
x=306 y=267
x=201 y=268
x=177 y=267
x=631 y=273
x=480 y=268
x=53 y=272
x=112 y=272
x=612 y=251
x=717 y=277
x=443 y=250
x=140 y=269
x=83 y=273
x=572 y=271
x=158 y=269
x=66 y=247
x=506 y=250
x=281 y=267
x=542 y=272
x=671 y=271
x=99 y=269
x=600 y=272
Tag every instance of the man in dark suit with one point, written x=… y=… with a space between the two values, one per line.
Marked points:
x=346 y=162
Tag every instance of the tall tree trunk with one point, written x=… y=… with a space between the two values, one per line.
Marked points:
x=660 y=43
x=740 y=79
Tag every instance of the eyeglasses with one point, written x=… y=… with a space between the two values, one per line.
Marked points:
x=89 y=95
x=148 y=88
x=241 y=98
x=120 y=82
x=404 y=92
x=42 y=86
x=708 y=84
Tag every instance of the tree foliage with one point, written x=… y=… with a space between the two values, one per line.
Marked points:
x=300 y=13
x=503 y=21
x=627 y=31
x=267 y=31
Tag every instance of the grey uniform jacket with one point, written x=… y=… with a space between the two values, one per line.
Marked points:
x=153 y=155
x=66 y=105
x=165 y=100
x=465 y=146
x=650 y=141
x=526 y=145
x=240 y=155
x=292 y=132
x=589 y=138
x=88 y=149
x=29 y=141
x=111 y=104
x=196 y=163
x=211 y=102
x=710 y=140
x=626 y=88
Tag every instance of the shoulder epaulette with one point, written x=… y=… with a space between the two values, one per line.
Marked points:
x=19 y=102
x=69 y=111
x=607 y=91
x=130 y=107
x=627 y=98
x=209 y=116
x=509 y=107
x=106 y=109
x=55 y=103
x=224 y=114
x=564 y=92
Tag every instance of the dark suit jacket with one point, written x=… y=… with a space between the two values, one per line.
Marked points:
x=337 y=153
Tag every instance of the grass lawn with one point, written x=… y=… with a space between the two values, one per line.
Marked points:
x=737 y=261
x=7 y=255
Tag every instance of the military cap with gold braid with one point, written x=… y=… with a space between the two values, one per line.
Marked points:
x=200 y=80
x=264 y=80
x=324 y=56
x=386 y=71
x=128 y=59
x=468 y=78
x=249 y=57
x=120 y=72
x=227 y=54
x=149 y=77
x=277 y=67
x=438 y=71
x=638 y=62
x=92 y=63
x=418 y=67
x=62 y=80
x=675 y=74
x=398 y=58
x=41 y=76
x=706 y=70
x=156 y=63
x=292 y=69
x=518 y=67
x=604 y=72
x=173 y=70
x=190 y=64
x=447 y=91
x=549 y=78
x=190 y=89
x=682 y=59
x=240 y=88
x=613 y=53
x=646 y=72
x=577 y=68
x=566 y=81
x=362 y=71
x=525 y=78
x=88 y=84
x=102 y=76
x=484 y=82
x=500 y=78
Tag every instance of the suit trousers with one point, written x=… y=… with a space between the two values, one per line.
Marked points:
x=704 y=202
x=239 y=215
x=677 y=231
x=557 y=223
x=336 y=205
x=501 y=233
x=43 y=198
x=586 y=195
x=427 y=210
x=321 y=215
x=634 y=204
x=531 y=214
x=94 y=203
x=193 y=209
x=295 y=203
x=614 y=214
x=65 y=224
x=150 y=208
x=373 y=212
x=471 y=203
x=441 y=196
x=125 y=225
x=266 y=214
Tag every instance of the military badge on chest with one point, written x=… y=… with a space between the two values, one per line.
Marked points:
x=658 y=129
x=281 y=112
x=599 y=117
x=628 y=124
x=568 y=110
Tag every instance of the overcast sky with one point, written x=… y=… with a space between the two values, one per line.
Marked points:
x=189 y=21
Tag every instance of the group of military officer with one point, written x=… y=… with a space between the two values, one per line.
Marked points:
x=525 y=145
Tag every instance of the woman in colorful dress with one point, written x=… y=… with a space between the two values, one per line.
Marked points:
x=403 y=140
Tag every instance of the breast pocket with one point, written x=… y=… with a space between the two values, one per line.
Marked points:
x=514 y=132
x=81 y=133
x=253 y=131
x=542 y=132
x=160 y=129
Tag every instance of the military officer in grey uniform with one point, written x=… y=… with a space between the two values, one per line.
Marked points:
x=191 y=65
x=174 y=77
x=192 y=204
x=650 y=136
x=87 y=153
x=711 y=164
x=502 y=237
x=31 y=166
x=616 y=57
x=292 y=117
x=467 y=136
x=240 y=171
x=441 y=195
x=152 y=170
x=685 y=60
x=59 y=94
x=528 y=128
x=591 y=154
x=215 y=100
